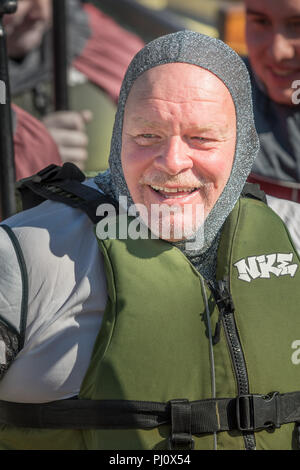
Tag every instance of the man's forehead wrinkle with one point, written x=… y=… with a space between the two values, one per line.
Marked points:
x=162 y=90
x=221 y=128
x=186 y=95
x=179 y=101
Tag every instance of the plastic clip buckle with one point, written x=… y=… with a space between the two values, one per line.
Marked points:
x=255 y=412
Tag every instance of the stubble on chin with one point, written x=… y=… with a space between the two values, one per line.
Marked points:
x=167 y=227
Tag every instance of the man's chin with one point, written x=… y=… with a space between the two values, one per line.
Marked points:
x=176 y=231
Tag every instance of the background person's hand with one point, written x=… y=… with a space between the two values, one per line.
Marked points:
x=68 y=129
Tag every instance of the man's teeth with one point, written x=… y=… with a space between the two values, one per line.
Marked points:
x=173 y=190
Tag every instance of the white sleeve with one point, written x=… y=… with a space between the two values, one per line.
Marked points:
x=67 y=296
x=289 y=212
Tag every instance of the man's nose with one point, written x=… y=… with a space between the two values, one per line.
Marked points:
x=281 y=48
x=173 y=157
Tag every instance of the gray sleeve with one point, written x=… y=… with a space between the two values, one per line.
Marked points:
x=13 y=298
x=289 y=212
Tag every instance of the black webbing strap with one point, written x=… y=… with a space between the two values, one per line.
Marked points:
x=244 y=413
x=253 y=191
x=63 y=184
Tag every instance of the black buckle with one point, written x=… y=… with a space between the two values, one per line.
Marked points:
x=53 y=173
x=48 y=173
x=255 y=412
x=181 y=422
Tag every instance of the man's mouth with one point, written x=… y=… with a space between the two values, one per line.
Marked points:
x=283 y=73
x=173 y=193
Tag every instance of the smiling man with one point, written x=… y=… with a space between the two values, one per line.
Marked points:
x=179 y=139
x=143 y=343
x=273 y=41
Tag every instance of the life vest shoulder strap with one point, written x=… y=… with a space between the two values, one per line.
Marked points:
x=62 y=184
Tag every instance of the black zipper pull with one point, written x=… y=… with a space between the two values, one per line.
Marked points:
x=224 y=303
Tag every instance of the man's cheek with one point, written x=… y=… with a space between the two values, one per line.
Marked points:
x=218 y=170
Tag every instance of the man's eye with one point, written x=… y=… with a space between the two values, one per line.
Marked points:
x=259 y=20
x=147 y=139
x=200 y=142
x=196 y=139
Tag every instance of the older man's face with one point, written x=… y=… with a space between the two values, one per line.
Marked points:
x=179 y=136
x=25 y=28
x=273 y=40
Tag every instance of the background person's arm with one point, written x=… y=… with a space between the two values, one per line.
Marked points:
x=68 y=130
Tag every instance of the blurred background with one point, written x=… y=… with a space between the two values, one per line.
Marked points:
x=65 y=85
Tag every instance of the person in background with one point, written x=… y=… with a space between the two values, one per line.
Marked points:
x=273 y=42
x=34 y=148
x=99 y=53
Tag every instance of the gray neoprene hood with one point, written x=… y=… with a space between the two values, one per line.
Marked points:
x=215 y=56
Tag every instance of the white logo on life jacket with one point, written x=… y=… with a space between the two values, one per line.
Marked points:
x=263 y=266
x=296 y=354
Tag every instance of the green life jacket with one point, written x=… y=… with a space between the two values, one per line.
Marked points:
x=180 y=364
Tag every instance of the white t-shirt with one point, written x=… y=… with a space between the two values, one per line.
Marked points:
x=290 y=214
x=67 y=298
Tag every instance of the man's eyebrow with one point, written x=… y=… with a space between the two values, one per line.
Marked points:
x=249 y=11
x=221 y=128
x=146 y=122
